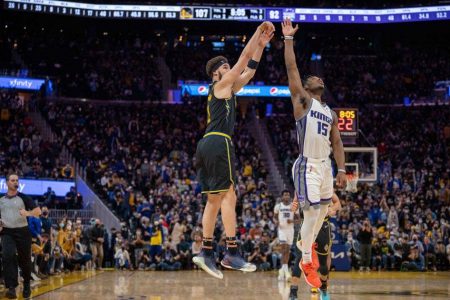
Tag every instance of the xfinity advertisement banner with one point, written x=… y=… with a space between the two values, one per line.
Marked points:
x=39 y=187
x=246 y=91
x=29 y=84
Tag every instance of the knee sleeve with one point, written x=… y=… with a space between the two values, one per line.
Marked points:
x=323 y=265
x=296 y=272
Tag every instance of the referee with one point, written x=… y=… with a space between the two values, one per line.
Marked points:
x=15 y=207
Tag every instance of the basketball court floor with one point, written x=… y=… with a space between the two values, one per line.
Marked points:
x=182 y=285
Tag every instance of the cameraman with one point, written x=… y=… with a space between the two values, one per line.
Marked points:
x=259 y=259
x=365 y=240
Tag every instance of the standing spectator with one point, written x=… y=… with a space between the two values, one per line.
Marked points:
x=97 y=239
x=71 y=199
x=429 y=253
x=45 y=221
x=49 y=197
x=365 y=242
x=185 y=254
x=441 y=258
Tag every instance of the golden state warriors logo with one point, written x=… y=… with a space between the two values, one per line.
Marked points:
x=326 y=248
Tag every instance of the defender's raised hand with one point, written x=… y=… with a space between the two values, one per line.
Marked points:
x=288 y=29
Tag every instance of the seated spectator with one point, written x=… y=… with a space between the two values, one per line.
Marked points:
x=169 y=260
x=122 y=258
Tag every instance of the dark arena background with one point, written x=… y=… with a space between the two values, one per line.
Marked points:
x=103 y=103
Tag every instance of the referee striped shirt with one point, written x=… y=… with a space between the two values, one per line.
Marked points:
x=9 y=210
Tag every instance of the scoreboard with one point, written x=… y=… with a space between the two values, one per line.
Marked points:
x=347 y=121
x=221 y=13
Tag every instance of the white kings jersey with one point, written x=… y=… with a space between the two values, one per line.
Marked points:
x=313 y=131
x=284 y=214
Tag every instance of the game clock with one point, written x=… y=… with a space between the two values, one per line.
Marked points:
x=347 y=121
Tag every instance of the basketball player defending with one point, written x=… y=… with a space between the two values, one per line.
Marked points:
x=317 y=134
x=323 y=250
x=215 y=156
x=286 y=217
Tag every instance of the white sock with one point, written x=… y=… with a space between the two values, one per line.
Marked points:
x=310 y=217
x=285 y=268
x=323 y=210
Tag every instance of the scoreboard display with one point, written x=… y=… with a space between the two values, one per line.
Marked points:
x=221 y=13
x=347 y=121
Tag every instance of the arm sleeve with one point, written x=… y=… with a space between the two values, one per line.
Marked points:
x=29 y=204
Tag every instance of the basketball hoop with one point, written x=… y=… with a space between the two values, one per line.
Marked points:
x=352 y=183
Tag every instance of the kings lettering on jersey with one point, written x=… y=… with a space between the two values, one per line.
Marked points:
x=313 y=131
x=321 y=116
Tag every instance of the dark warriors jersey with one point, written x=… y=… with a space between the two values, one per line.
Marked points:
x=221 y=113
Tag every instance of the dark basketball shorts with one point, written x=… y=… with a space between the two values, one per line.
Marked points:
x=215 y=163
x=323 y=240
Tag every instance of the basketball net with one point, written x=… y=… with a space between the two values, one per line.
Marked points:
x=352 y=183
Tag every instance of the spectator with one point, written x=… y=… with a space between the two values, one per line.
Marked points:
x=122 y=258
x=365 y=244
x=169 y=259
x=96 y=241
x=259 y=259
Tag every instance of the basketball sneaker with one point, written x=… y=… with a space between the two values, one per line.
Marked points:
x=287 y=275
x=208 y=264
x=293 y=295
x=236 y=262
x=281 y=274
x=324 y=295
x=311 y=276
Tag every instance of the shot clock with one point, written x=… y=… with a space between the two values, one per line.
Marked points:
x=347 y=122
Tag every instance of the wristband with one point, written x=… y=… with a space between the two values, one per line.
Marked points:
x=288 y=37
x=342 y=171
x=252 y=64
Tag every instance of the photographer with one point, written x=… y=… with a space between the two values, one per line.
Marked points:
x=259 y=259
x=170 y=259
x=365 y=240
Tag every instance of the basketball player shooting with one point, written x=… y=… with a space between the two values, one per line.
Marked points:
x=317 y=135
x=215 y=156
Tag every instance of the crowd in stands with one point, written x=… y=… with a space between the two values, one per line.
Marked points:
x=357 y=67
x=101 y=65
x=21 y=143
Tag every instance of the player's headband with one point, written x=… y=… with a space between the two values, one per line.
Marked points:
x=218 y=65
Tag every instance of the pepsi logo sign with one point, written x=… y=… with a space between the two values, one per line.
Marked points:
x=202 y=90
x=273 y=90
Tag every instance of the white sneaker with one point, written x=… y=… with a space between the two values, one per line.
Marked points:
x=34 y=277
x=287 y=276
x=281 y=275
